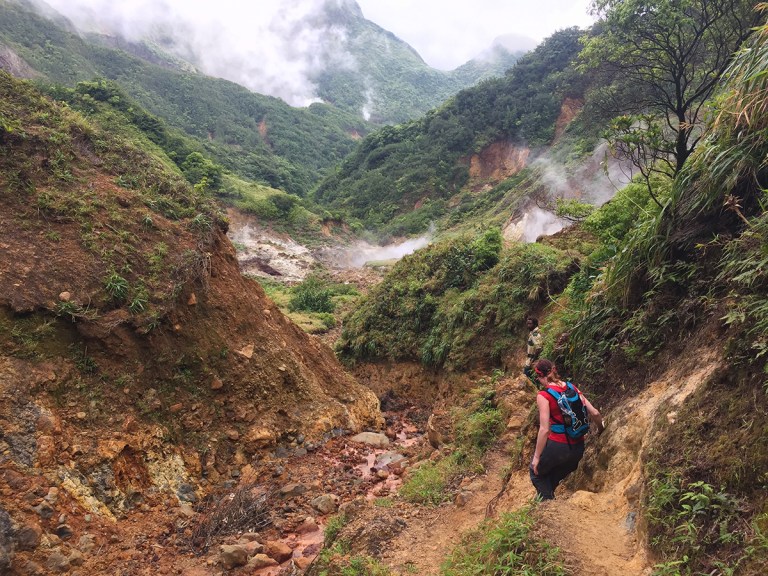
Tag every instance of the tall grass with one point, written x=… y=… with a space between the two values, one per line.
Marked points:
x=507 y=546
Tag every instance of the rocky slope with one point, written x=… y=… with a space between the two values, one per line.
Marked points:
x=138 y=367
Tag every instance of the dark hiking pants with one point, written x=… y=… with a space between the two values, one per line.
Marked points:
x=556 y=462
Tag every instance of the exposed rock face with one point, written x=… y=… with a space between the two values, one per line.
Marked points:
x=15 y=64
x=568 y=111
x=498 y=161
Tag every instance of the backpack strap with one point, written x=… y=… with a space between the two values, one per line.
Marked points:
x=557 y=428
x=560 y=428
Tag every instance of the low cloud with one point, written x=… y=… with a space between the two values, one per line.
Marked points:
x=273 y=48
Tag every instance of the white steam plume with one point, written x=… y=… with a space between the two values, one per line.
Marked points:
x=589 y=182
x=273 y=47
x=357 y=255
x=534 y=223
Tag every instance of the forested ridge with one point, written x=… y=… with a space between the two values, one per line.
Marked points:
x=428 y=159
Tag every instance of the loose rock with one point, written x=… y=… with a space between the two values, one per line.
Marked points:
x=232 y=556
x=261 y=561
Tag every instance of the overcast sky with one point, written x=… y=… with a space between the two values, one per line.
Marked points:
x=271 y=47
x=448 y=33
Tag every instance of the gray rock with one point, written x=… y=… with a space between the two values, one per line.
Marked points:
x=280 y=551
x=32 y=568
x=386 y=459
x=187 y=493
x=292 y=489
x=352 y=508
x=64 y=531
x=76 y=558
x=57 y=562
x=326 y=503
x=462 y=498
x=44 y=510
x=28 y=537
x=260 y=561
x=87 y=543
x=5 y=542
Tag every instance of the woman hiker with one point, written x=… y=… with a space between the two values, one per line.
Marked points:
x=556 y=454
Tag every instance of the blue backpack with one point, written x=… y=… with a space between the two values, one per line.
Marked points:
x=574 y=413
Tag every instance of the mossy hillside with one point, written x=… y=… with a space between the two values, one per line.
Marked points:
x=455 y=303
x=257 y=137
x=47 y=169
x=106 y=102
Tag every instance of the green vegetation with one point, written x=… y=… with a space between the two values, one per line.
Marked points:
x=429 y=483
x=458 y=300
x=505 y=546
x=128 y=252
x=663 y=60
x=332 y=529
x=476 y=427
x=398 y=166
x=257 y=137
x=313 y=304
x=389 y=81
x=691 y=264
x=312 y=295
x=337 y=561
x=335 y=558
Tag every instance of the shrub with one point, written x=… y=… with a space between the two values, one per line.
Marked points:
x=312 y=295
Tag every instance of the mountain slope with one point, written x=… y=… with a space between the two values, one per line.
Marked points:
x=325 y=51
x=417 y=170
x=257 y=137
x=137 y=362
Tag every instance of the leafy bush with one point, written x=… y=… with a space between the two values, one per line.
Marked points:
x=312 y=295
x=687 y=521
x=438 y=304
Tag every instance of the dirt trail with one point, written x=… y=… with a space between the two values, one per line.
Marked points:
x=430 y=536
x=608 y=541
x=605 y=546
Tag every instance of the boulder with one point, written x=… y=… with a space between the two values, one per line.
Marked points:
x=28 y=537
x=260 y=561
x=280 y=551
x=326 y=503
x=232 y=556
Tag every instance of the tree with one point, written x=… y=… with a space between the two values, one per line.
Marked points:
x=663 y=59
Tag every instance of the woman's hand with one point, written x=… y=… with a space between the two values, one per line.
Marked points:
x=535 y=464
